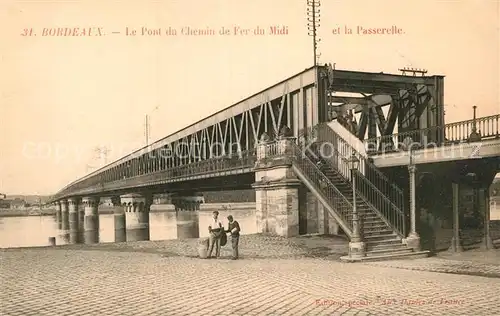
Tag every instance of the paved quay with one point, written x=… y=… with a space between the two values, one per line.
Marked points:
x=134 y=279
x=255 y=246
x=478 y=263
x=75 y=282
x=331 y=248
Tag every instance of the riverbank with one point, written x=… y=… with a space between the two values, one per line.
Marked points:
x=46 y=212
x=26 y=212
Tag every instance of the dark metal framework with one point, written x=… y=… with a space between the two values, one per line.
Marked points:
x=299 y=102
x=414 y=102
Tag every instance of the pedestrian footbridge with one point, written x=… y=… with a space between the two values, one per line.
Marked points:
x=313 y=170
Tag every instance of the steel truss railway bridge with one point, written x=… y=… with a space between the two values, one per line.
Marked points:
x=311 y=172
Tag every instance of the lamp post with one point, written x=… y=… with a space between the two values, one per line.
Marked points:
x=413 y=239
x=356 y=245
x=474 y=135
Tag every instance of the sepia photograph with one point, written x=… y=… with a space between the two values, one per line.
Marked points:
x=285 y=157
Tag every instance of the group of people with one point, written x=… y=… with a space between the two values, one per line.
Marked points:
x=216 y=230
x=348 y=121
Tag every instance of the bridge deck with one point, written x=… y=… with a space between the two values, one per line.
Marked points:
x=470 y=139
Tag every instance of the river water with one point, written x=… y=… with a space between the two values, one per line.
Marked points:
x=30 y=231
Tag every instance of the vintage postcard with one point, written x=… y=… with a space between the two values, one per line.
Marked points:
x=285 y=157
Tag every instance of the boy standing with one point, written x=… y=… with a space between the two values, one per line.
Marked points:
x=234 y=229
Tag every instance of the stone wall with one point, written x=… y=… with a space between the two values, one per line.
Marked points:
x=319 y=219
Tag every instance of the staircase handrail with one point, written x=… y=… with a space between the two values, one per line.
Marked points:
x=336 y=199
x=372 y=184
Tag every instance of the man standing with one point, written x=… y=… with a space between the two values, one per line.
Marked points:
x=234 y=229
x=216 y=229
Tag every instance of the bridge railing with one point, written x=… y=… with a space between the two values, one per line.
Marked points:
x=452 y=133
x=244 y=159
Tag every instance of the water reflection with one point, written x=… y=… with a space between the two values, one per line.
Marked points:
x=31 y=231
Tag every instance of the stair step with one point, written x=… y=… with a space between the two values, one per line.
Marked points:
x=371 y=247
x=374 y=253
x=395 y=256
x=371 y=220
x=378 y=228
x=363 y=207
x=369 y=224
x=373 y=228
x=369 y=217
x=371 y=233
x=368 y=220
x=377 y=242
x=379 y=237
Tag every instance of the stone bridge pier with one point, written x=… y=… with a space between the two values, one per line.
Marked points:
x=136 y=216
x=59 y=215
x=91 y=220
x=64 y=215
x=74 y=233
x=81 y=222
x=187 y=215
x=119 y=219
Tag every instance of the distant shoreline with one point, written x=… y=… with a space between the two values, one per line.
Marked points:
x=50 y=212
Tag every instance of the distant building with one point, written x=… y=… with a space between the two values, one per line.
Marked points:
x=4 y=203
x=16 y=203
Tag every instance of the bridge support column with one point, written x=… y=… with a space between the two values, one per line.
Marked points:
x=59 y=215
x=119 y=219
x=64 y=215
x=81 y=221
x=137 y=216
x=187 y=216
x=455 y=240
x=73 y=204
x=277 y=191
x=484 y=202
x=277 y=208
x=91 y=222
x=413 y=239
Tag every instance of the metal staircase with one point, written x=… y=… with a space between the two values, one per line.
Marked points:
x=381 y=239
x=379 y=202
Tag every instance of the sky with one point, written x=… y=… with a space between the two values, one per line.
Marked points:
x=63 y=97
